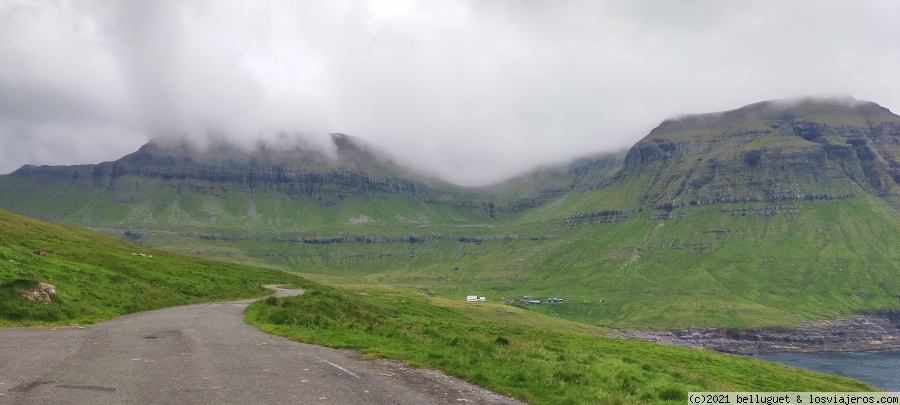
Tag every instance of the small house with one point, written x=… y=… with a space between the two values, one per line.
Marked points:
x=472 y=298
x=482 y=299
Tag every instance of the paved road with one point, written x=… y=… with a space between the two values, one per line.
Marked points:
x=205 y=354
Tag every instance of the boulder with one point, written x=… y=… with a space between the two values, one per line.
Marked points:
x=42 y=294
x=48 y=288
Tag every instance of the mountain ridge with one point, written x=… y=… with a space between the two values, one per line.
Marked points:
x=781 y=153
x=780 y=211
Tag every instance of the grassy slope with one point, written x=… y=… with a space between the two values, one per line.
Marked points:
x=540 y=360
x=811 y=260
x=97 y=277
x=829 y=258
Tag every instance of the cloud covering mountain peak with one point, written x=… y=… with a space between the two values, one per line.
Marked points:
x=471 y=91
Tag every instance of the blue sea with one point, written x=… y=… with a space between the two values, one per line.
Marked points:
x=878 y=369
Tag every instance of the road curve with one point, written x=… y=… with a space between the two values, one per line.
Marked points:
x=206 y=354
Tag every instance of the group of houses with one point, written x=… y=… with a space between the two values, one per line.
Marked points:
x=528 y=299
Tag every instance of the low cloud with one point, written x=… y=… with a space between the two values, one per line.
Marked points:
x=473 y=92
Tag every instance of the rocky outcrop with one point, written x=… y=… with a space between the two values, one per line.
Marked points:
x=328 y=240
x=879 y=330
x=603 y=216
x=293 y=180
x=41 y=294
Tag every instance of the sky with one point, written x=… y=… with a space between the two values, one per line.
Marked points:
x=472 y=91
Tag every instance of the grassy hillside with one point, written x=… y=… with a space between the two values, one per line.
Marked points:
x=99 y=277
x=537 y=359
x=734 y=265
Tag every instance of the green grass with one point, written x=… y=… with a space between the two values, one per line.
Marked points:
x=99 y=277
x=811 y=260
x=537 y=359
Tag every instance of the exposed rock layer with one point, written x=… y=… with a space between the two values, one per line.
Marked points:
x=878 y=330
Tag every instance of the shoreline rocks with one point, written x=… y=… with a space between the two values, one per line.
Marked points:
x=878 y=330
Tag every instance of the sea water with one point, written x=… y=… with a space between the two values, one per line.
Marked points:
x=878 y=369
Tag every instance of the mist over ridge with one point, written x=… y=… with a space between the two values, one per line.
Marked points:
x=472 y=92
x=340 y=149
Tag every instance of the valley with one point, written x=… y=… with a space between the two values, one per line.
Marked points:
x=770 y=215
x=733 y=231
x=187 y=351
x=502 y=202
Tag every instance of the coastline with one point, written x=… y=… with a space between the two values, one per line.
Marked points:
x=872 y=331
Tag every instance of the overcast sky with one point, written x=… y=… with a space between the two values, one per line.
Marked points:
x=473 y=91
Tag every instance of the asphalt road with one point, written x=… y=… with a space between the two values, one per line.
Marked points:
x=206 y=354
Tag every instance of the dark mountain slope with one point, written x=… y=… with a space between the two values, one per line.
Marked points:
x=547 y=183
x=770 y=151
x=225 y=189
x=301 y=173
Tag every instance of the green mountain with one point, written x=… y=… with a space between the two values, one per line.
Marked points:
x=771 y=214
x=770 y=151
x=223 y=189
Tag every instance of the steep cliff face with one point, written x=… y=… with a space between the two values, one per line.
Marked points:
x=770 y=151
x=227 y=189
x=300 y=173
x=162 y=174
